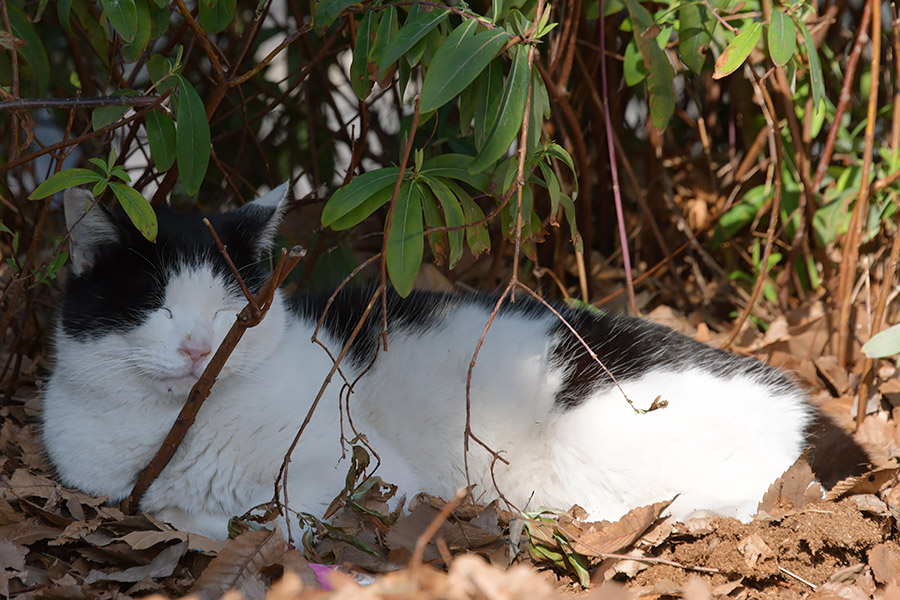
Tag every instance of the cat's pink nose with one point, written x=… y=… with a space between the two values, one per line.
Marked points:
x=196 y=352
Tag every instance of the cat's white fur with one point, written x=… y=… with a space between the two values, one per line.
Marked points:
x=720 y=442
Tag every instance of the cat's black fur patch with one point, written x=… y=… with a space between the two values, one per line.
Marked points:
x=418 y=311
x=127 y=279
x=630 y=348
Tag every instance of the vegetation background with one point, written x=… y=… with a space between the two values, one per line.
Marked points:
x=729 y=167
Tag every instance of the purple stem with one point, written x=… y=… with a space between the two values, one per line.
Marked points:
x=623 y=236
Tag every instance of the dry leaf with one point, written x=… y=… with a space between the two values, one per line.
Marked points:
x=754 y=550
x=870 y=503
x=238 y=564
x=867 y=483
x=884 y=559
x=794 y=489
x=696 y=589
x=477 y=579
x=141 y=540
x=604 y=539
x=162 y=565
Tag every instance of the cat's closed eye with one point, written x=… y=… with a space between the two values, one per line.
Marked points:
x=167 y=312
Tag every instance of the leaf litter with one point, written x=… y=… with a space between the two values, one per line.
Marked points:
x=804 y=543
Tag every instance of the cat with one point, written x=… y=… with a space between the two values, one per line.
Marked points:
x=139 y=322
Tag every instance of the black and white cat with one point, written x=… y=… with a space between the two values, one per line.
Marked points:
x=139 y=322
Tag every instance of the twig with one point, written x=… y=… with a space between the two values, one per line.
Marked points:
x=83 y=138
x=583 y=343
x=203 y=38
x=282 y=478
x=224 y=250
x=797 y=577
x=844 y=98
x=248 y=317
x=719 y=18
x=858 y=219
x=79 y=102
x=877 y=318
x=768 y=109
x=418 y=554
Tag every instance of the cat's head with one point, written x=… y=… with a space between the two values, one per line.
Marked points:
x=154 y=313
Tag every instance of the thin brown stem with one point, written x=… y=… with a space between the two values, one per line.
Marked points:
x=849 y=264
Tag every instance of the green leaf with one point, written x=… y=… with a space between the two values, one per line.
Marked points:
x=359 y=68
x=135 y=49
x=366 y=208
x=63 y=12
x=405 y=244
x=161 y=135
x=33 y=51
x=815 y=69
x=436 y=239
x=96 y=34
x=884 y=343
x=560 y=153
x=738 y=50
x=64 y=179
x=192 y=141
x=540 y=109
x=509 y=118
x=660 y=74
x=387 y=29
x=552 y=188
x=137 y=208
x=487 y=91
x=477 y=236
x=412 y=31
x=694 y=34
x=455 y=166
x=353 y=195
x=216 y=18
x=159 y=20
x=459 y=60
x=122 y=15
x=327 y=11
x=569 y=208
x=740 y=215
x=782 y=37
x=453 y=215
x=633 y=65
x=107 y=115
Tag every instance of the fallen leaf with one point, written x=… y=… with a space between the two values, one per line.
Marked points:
x=796 y=488
x=754 y=550
x=141 y=540
x=867 y=483
x=162 y=565
x=237 y=566
x=884 y=559
x=613 y=537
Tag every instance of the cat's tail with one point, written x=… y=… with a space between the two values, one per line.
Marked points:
x=834 y=454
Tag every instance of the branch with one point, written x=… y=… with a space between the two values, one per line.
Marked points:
x=74 y=141
x=852 y=242
x=92 y=102
x=248 y=317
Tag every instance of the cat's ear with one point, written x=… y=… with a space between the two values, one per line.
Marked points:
x=264 y=215
x=90 y=227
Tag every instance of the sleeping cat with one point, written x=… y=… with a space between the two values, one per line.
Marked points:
x=139 y=322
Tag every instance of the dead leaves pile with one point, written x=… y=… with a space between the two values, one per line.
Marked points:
x=60 y=543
